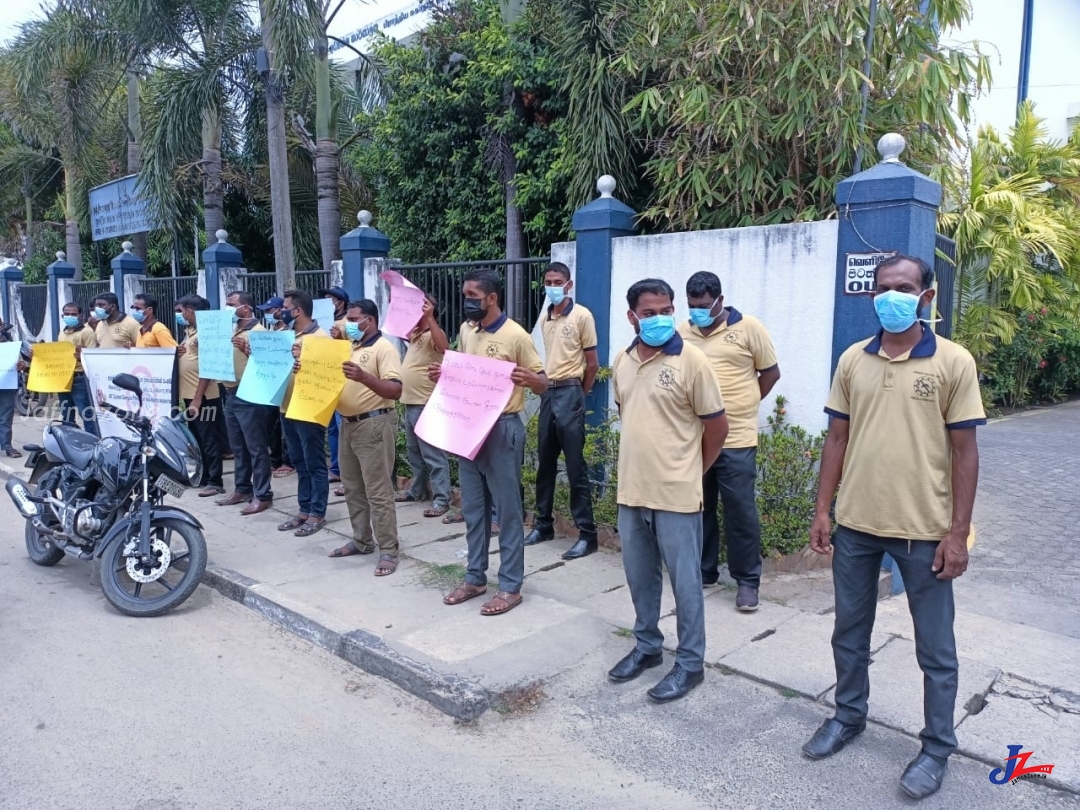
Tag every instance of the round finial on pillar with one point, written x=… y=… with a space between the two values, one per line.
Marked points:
x=127 y=247
x=364 y=218
x=606 y=185
x=61 y=256
x=222 y=235
x=889 y=146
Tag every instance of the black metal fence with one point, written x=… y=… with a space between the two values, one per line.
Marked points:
x=263 y=286
x=444 y=281
x=947 y=292
x=83 y=293
x=168 y=291
x=32 y=300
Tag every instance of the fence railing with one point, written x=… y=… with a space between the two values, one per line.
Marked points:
x=947 y=292
x=83 y=293
x=263 y=286
x=168 y=291
x=33 y=298
x=522 y=280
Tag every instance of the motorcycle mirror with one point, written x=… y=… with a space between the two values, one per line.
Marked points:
x=128 y=382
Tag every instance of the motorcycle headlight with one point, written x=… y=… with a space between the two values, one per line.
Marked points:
x=193 y=467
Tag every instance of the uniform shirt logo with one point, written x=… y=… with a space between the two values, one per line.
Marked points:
x=364 y=357
x=731 y=337
x=924 y=387
x=666 y=378
x=567 y=330
x=492 y=350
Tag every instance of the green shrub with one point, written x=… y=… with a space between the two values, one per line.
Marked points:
x=1040 y=364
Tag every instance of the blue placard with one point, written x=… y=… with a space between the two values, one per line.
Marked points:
x=215 y=346
x=268 y=368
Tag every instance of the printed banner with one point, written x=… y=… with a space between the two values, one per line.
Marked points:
x=468 y=399
x=406 y=305
x=52 y=368
x=320 y=380
x=153 y=367
x=322 y=312
x=215 y=346
x=269 y=366
x=9 y=360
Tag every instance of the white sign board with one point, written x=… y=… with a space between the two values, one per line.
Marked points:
x=117 y=210
x=153 y=367
x=859 y=271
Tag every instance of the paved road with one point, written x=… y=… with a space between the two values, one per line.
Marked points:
x=1026 y=564
x=212 y=707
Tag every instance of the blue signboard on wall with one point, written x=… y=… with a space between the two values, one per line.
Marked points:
x=116 y=209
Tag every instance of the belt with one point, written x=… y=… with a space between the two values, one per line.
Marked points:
x=360 y=417
x=564 y=383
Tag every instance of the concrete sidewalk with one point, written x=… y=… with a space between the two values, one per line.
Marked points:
x=1017 y=684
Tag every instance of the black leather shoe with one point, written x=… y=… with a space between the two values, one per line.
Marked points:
x=831 y=738
x=633 y=665
x=582 y=548
x=923 y=776
x=537 y=536
x=675 y=684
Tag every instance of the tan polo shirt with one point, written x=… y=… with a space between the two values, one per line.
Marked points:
x=378 y=357
x=158 y=336
x=503 y=340
x=897 y=479
x=340 y=326
x=416 y=386
x=737 y=350
x=188 y=364
x=662 y=402
x=239 y=358
x=123 y=334
x=299 y=341
x=83 y=337
x=566 y=339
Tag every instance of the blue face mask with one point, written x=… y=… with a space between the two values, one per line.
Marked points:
x=139 y=315
x=270 y=320
x=555 y=295
x=353 y=331
x=71 y=321
x=180 y=319
x=701 y=318
x=100 y=314
x=897 y=311
x=232 y=313
x=657 y=330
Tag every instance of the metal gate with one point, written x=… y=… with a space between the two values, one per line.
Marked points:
x=947 y=293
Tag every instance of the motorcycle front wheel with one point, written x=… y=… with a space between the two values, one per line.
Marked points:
x=178 y=550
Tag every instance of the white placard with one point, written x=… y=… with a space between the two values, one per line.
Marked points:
x=153 y=367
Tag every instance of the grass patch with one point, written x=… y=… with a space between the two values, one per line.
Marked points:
x=520 y=700
x=442 y=577
x=623 y=632
x=789 y=693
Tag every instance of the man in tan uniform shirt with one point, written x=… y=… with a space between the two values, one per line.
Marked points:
x=201 y=398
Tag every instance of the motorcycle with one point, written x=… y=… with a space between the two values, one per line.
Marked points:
x=104 y=499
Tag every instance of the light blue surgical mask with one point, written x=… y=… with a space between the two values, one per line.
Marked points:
x=139 y=315
x=353 y=331
x=180 y=319
x=232 y=313
x=270 y=320
x=100 y=314
x=555 y=295
x=702 y=318
x=71 y=321
x=897 y=311
x=657 y=330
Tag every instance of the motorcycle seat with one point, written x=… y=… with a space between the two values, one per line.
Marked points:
x=76 y=445
x=32 y=448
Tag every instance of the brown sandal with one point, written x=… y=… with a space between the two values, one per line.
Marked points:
x=339 y=492
x=436 y=511
x=405 y=497
x=454 y=517
x=310 y=526
x=349 y=550
x=292 y=523
x=388 y=564
x=463 y=593
x=283 y=471
x=501 y=602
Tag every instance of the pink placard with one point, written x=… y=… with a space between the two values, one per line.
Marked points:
x=406 y=305
x=468 y=399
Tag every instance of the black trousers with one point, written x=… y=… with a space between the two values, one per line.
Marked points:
x=731 y=481
x=204 y=426
x=561 y=429
x=279 y=450
x=247 y=434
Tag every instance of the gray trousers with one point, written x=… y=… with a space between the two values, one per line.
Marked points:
x=652 y=539
x=731 y=481
x=493 y=479
x=428 y=463
x=7 y=416
x=856 y=565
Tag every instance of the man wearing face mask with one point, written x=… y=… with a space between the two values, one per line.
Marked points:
x=369 y=437
x=112 y=328
x=78 y=401
x=337 y=331
x=245 y=422
x=280 y=465
x=493 y=477
x=903 y=410
x=744 y=362
x=571 y=364
x=672 y=427
x=153 y=334
x=201 y=397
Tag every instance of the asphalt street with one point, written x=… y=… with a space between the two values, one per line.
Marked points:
x=212 y=707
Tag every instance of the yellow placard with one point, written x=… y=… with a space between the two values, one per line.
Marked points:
x=320 y=381
x=52 y=368
x=971 y=538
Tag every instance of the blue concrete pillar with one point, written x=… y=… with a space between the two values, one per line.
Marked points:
x=596 y=224
x=886 y=209
x=127 y=268
x=57 y=271
x=221 y=262
x=357 y=246
x=10 y=274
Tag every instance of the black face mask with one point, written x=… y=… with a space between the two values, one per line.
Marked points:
x=475 y=309
x=287 y=317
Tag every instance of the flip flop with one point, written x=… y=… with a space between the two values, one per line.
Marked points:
x=348 y=550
